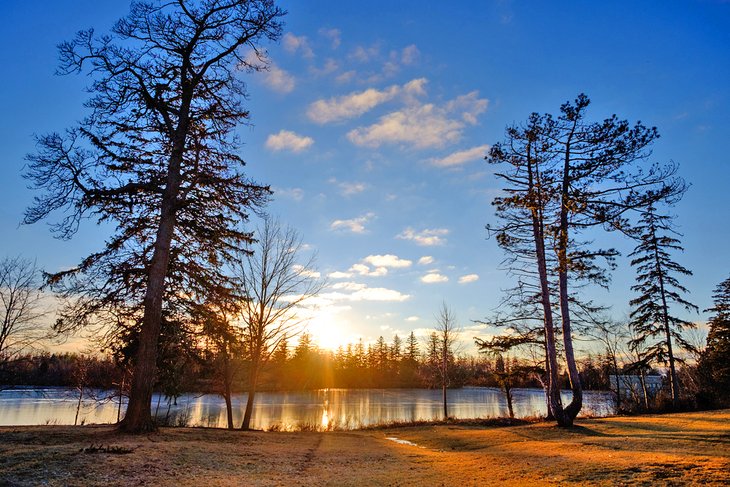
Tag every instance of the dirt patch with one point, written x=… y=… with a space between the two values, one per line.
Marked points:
x=679 y=449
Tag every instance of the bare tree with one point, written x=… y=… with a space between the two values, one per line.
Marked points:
x=447 y=335
x=274 y=286
x=21 y=310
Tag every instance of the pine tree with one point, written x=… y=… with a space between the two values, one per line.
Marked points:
x=157 y=160
x=659 y=288
x=716 y=359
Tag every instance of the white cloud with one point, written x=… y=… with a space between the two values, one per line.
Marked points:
x=410 y=54
x=349 y=286
x=348 y=189
x=339 y=275
x=364 y=270
x=364 y=54
x=434 y=277
x=359 y=102
x=469 y=106
x=378 y=294
x=425 y=260
x=345 y=77
x=279 y=80
x=412 y=318
x=461 y=157
x=297 y=194
x=422 y=126
x=427 y=237
x=288 y=140
x=468 y=278
x=330 y=66
x=354 y=225
x=387 y=260
x=294 y=43
x=333 y=35
x=306 y=272
x=349 y=106
x=363 y=294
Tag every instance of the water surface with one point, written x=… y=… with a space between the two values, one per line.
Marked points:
x=320 y=409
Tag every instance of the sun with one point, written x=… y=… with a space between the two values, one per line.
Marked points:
x=328 y=330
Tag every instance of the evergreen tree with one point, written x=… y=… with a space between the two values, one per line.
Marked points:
x=157 y=160
x=716 y=359
x=659 y=288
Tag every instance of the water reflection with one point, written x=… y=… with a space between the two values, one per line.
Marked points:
x=322 y=409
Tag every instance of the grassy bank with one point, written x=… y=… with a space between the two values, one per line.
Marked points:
x=688 y=448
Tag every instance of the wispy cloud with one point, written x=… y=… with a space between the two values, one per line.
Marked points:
x=359 y=102
x=427 y=237
x=295 y=44
x=412 y=318
x=348 y=188
x=434 y=277
x=364 y=54
x=462 y=157
x=296 y=194
x=425 y=260
x=468 y=278
x=354 y=225
x=410 y=54
x=289 y=141
x=334 y=36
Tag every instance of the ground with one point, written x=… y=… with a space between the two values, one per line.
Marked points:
x=676 y=449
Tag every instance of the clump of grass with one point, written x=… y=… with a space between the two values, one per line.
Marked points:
x=116 y=450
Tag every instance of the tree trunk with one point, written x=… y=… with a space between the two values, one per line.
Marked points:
x=618 y=382
x=674 y=381
x=572 y=409
x=508 y=393
x=78 y=405
x=138 y=418
x=253 y=379
x=227 y=391
x=644 y=390
x=555 y=401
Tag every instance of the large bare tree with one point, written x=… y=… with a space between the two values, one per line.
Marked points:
x=157 y=158
x=274 y=285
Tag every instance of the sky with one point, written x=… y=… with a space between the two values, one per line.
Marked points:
x=372 y=123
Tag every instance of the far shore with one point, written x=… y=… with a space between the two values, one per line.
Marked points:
x=670 y=449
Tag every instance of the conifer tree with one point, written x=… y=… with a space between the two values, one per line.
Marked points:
x=658 y=289
x=716 y=360
x=157 y=159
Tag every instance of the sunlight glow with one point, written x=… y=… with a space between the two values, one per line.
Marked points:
x=329 y=330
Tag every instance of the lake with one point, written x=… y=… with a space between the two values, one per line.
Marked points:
x=321 y=409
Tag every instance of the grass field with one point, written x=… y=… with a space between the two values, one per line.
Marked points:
x=673 y=449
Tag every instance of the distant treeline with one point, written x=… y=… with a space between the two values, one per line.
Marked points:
x=400 y=364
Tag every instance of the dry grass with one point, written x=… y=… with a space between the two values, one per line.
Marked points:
x=678 y=449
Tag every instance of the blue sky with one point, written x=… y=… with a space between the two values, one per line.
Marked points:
x=372 y=122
